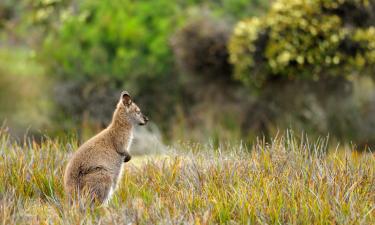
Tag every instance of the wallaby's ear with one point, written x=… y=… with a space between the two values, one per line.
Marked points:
x=125 y=98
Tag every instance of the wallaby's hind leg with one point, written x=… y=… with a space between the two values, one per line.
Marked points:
x=99 y=185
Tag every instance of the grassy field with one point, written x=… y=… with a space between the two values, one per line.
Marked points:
x=287 y=181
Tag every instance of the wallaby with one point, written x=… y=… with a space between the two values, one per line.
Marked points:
x=96 y=166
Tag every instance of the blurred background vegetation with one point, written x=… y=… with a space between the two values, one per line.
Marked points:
x=201 y=69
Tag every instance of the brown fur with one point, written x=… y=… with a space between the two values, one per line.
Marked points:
x=96 y=165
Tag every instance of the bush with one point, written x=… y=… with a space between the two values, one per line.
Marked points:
x=6 y=12
x=106 y=38
x=102 y=47
x=24 y=102
x=304 y=39
x=302 y=58
x=200 y=48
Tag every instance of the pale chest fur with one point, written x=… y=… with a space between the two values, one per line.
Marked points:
x=119 y=177
x=130 y=140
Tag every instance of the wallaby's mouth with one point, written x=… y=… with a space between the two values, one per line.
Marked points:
x=145 y=120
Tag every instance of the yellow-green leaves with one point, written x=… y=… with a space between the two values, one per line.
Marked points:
x=301 y=39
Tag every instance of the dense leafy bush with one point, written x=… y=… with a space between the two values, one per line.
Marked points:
x=303 y=58
x=6 y=12
x=304 y=39
x=111 y=38
x=200 y=48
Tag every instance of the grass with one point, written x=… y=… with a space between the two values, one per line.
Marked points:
x=287 y=181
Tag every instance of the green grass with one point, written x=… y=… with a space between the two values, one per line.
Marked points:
x=287 y=181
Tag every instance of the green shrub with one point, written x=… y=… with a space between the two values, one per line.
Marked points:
x=304 y=39
x=303 y=59
x=101 y=47
x=200 y=48
x=6 y=12
x=112 y=38
x=24 y=103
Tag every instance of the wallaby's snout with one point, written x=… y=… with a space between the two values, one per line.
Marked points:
x=145 y=120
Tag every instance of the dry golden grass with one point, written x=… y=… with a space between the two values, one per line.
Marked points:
x=287 y=181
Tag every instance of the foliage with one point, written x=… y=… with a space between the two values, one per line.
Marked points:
x=102 y=47
x=233 y=9
x=111 y=38
x=6 y=12
x=304 y=39
x=95 y=49
x=286 y=181
x=200 y=48
x=47 y=13
x=22 y=91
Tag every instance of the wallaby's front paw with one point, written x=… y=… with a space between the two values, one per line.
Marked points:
x=127 y=158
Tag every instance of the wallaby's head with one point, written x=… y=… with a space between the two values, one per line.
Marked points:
x=128 y=110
